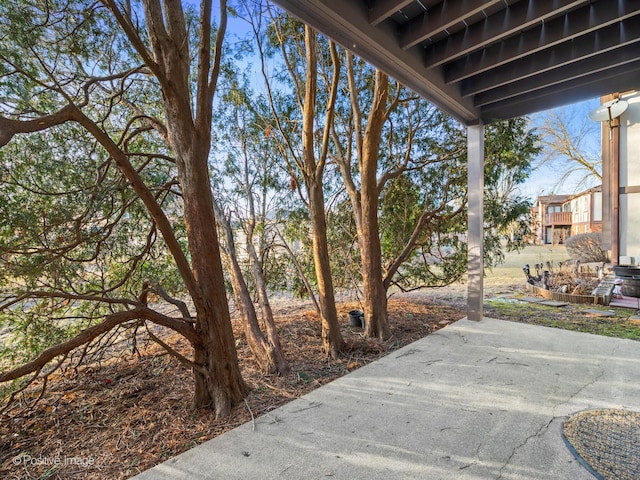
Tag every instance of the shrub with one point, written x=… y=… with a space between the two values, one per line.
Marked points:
x=586 y=247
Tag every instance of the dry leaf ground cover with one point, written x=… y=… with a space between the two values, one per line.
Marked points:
x=127 y=414
x=118 y=418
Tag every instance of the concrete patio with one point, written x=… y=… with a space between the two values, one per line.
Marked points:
x=472 y=401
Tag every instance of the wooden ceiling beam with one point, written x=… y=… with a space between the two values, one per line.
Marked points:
x=503 y=24
x=607 y=39
x=566 y=93
x=439 y=18
x=543 y=72
x=383 y=9
x=592 y=66
x=580 y=22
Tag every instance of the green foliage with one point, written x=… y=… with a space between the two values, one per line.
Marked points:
x=75 y=242
x=45 y=46
x=343 y=247
x=510 y=149
x=296 y=231
x=249 y=183
x=437 y=192
x=400 y=210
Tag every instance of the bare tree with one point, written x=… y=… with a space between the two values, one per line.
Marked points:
x=566 y=149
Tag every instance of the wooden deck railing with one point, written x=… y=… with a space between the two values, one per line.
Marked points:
x=558 y=218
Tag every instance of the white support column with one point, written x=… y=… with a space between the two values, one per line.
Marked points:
x=475 y=182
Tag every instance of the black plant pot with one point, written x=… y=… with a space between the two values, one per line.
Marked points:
x=356 y=318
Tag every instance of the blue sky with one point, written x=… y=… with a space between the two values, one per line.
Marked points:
x=544 y=179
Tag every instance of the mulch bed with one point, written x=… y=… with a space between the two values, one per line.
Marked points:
x=115 y=419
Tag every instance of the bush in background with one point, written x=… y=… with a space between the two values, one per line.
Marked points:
x=586 y=247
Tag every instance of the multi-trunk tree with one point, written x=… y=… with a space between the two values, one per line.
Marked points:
x=389 y=147
x=301 y=125
x=384 y=133
x=107 y=199
x=246 y=189
x=52 y=79
x=403 y=164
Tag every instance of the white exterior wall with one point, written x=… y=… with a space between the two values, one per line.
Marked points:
x=597 y=206
x=581 y=210
x=575 y=210
x=630 y=177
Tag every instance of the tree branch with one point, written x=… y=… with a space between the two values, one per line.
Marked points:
x=329 y=116
x=184 y=360
x=215 y=71
x=10 y=127
x=130 y=31
x=82 y=338
x=86 y=336
x=182 y=307
x=147 y=198
x=355 y=106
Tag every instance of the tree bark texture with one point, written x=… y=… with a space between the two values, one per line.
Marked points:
x=281 y=364
x=375 y=294
x=219 y=384
x=270 y=357
x=332 y=340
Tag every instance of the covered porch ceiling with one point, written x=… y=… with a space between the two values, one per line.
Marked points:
x=484 y=60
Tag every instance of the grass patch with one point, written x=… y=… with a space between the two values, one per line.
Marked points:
x=570 y=317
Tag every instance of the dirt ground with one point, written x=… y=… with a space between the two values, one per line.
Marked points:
x=121 y=417
x=115 y=419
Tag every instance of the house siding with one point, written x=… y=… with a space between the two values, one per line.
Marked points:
x=629 y=186
x=559 y=217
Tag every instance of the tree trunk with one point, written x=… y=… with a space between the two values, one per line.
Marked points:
x=313 y=172
x=375 y=294
x=269 y=356
x=332 y=340
x=282 y=367
x=222 y=387
x=219 y=383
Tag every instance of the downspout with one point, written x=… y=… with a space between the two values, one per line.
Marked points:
x=611 y=184
x=614 y=145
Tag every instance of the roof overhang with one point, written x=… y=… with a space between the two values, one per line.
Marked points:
x=484 y=60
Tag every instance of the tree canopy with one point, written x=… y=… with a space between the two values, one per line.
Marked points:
x=127 y=132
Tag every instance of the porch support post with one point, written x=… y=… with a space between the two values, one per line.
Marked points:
x=475 y=182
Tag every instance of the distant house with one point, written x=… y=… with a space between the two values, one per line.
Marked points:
x=586 y=211
x=558 y=217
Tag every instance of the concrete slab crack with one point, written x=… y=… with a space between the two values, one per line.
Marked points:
x=476 y=461
x=582 y=388
x=545 y=427
x=411 y=351
x=539 y=432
